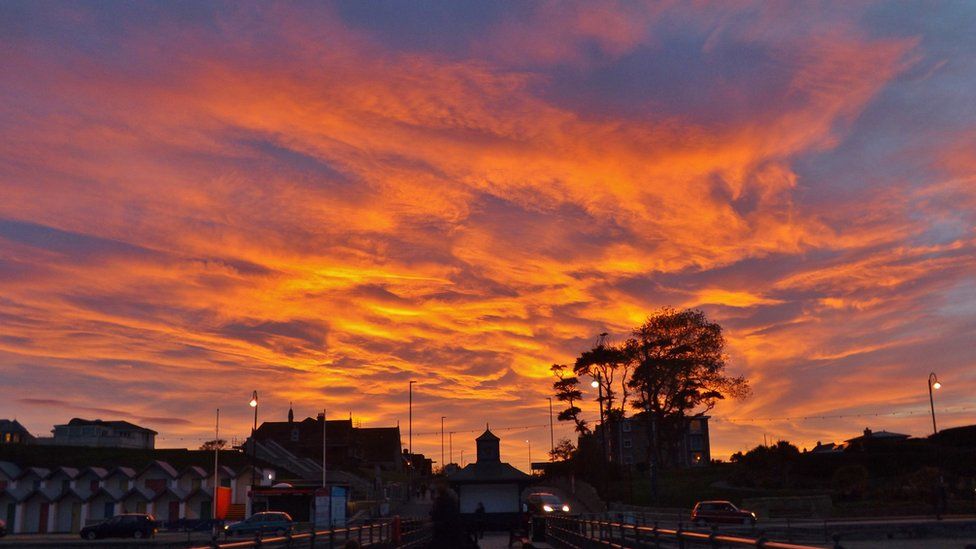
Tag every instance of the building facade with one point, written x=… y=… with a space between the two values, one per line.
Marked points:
x=64 y=499
x=628 y=441
x=103 y=434
x=12 y=432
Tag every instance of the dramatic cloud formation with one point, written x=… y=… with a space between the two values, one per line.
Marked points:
x=324 y=202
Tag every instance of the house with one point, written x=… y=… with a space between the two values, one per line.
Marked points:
x=98 y=433
x=490 y=481
x=829 y=448
x=873 y=439
x=12 y=432
x=347 y=447
x=627 y=442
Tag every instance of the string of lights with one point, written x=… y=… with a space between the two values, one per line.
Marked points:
x=813 y=417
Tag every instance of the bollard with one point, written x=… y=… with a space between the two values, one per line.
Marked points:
x=257 y=538
x=396 y=535
x=657 y=536
x=713 y=536
x=679 y=536
x=288 y=538
x=331 y=538
x=637 y=535
x=761 y=542
x=311 y=538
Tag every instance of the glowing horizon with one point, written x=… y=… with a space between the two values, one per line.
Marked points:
x=324 y=202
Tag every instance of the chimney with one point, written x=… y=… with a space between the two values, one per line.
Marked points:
x=867 y=432
x=321 y=416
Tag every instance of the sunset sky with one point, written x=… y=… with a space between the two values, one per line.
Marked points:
x=324 y=201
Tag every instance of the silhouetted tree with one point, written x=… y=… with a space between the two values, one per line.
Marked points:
x=567 y=390
x=563 y=451
x=610 y=366
x=217 y=444
x=679 y=368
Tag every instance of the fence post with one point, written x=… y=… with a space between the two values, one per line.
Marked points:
x=257 y=539
x=311 y=538
x=331 y=538
x=713 y=535
x=657 y=536
x=678 y=535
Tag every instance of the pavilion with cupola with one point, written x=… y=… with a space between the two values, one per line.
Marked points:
x=490 y=481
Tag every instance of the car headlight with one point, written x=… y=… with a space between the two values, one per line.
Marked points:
x=565 y=508
x=547 y=508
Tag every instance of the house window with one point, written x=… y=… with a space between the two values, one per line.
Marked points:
x=626 y=426
x=695 y=426
x=628 y=459
x=695 y=441
x=6 y=437
x=628 y=443
x=294 y=434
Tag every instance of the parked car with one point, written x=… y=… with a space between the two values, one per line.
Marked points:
x=3 y=528
x=266 y=522
x=715 y=512
x=544 y=502
x=134 y=525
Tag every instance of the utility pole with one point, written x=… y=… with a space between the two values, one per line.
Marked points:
x=450 y=446
x=216 y=470
x=552 y=435
x=410 y=420
x=325 y=420
x=443 y=463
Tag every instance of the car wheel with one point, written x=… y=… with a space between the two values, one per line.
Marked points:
x=138 y=534
x=90 y=535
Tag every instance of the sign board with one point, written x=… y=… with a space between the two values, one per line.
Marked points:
x=330 y=507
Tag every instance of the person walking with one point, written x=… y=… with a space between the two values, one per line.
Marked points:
x=479 y=521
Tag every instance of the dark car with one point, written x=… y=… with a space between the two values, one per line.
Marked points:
x=274 y=522
x=544 y=502
x=721 y=512
x=3 y=528
x=133 y=525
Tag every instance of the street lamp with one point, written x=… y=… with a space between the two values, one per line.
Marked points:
x=596 y=384
x=933 y=384
x=530 y=456
x=254 y=449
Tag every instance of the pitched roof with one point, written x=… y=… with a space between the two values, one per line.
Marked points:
x=124 y=425
x=13 y=426
x=490 y=471
x=487 y=435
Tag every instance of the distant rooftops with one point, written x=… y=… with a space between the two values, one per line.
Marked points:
x=118 y=425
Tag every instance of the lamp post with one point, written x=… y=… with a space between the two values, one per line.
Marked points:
x=450 y=447
x=552 y=434
x=530 y=456
x=933 y=384
x=596 y=384
x=410 y=423
x=254 y=449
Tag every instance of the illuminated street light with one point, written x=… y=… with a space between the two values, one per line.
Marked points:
x=254 y=400
x=933 y=384
x=595 y=384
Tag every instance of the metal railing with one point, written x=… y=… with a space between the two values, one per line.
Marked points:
x=572 y=532
x=406 y=534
